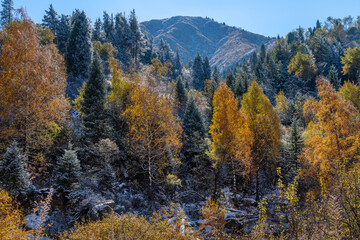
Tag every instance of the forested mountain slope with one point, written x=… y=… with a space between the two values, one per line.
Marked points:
x=224 y=45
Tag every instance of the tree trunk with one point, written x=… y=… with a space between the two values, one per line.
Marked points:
x=257 y=185
x=216 y=185
x=150 y=181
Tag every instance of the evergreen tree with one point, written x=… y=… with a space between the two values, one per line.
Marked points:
x=79 y=47
x=206 y=69
x=198 y=73
x=121 y=39
x=93 y=104
x=63 y=32
x=136 y=37
x=97 y=34
x=230 y=81
x=180 y=95
x=177 y=69
x=149 y=51
x=295 y=146
x=195 y=160
x=164 y=51
x=107 y=178
x=108 y=26
x=7 y=15
x=241 y=81
x=51 y=20
x=216 y=75
x=333 y=77
x=13 y=171
x=262 y=53
x=67 y=171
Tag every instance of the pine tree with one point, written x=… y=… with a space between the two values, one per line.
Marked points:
x=51 y=20
x=93 y=104
x=206 y=69
x=198 y=73
x=79 y=47
x=13 y=171
x=67 y=171
x=63 y=32
x=97 y=34
x=7 y=15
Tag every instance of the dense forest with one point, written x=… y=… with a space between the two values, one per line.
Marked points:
x=106 y=135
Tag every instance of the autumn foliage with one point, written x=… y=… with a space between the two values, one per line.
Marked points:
x=154 y=131
x=333 y=138
x=32 y=85
x=229 y=130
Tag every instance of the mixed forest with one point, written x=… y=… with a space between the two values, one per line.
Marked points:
x=106 y=135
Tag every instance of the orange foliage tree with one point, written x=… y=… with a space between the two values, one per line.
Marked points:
x=154 y=131
x=265 y=128
x=32 y=85
x=11 y=219
x=230 y=133
x=333 y=138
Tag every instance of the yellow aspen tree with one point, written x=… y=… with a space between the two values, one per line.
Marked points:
x=154 y=132
x=351 y=92
x=265 y=128
x=333 y=138
x=32 y=85
x=230 y=133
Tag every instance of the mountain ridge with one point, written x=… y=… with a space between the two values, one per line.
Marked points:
x=224 y=45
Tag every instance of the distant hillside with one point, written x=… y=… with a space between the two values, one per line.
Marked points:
x=224 y=45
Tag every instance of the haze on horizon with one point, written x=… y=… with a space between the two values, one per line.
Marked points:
x=268 y=18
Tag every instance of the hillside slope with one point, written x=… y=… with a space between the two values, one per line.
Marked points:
x=224 y=45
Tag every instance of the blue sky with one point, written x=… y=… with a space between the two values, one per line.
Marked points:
x=267 y=17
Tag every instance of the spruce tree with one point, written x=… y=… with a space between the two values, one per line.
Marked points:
x=177 y=69
x=136 y=37
x=216 y=75
x=149 y=51
x=108 y=26
x=97 y=33
x=79 y=47
x=195 y=160
x=93 y=104
x=230 y=81
x=164 y=51
x=180 y=95
x=67 y=171
x=13 y=171
x=63 y=32
x=295 y=146
x=121 y=39
x=206 y=69
x=198 y=73
x=107 y=178
x=51 y=20
x=333 y=77
x=7 y=15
